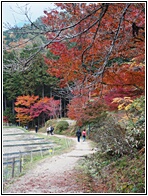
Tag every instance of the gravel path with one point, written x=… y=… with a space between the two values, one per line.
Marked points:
x=52 y=175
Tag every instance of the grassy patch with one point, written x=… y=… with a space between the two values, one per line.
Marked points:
x=60 y=146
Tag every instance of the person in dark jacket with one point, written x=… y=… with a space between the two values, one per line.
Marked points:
x=36 y=128
x=51 y=131
x=78 y=134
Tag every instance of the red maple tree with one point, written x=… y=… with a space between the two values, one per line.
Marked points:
x=31 y=107
x=99 y=47
x=45 y=106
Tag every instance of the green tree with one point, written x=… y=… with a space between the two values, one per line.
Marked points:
x=12 y=88
x=37 y=80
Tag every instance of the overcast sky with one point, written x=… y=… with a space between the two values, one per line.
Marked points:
x=12 y=14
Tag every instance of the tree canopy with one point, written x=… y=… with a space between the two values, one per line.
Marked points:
x=100 y=49
x=96 y=50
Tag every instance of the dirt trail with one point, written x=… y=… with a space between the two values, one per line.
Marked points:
x=52 y=175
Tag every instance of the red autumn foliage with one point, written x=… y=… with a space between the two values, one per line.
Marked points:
x=47 y=106
x=123 y=81
x=85 y=108
x=5 y=119
x=30 y=107
x=86 y=38
x=76 y=109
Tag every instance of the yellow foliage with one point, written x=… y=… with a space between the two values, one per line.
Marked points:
x=128 y=99
x=135 y=64
x=124 y=103
x=116 y=100
x=127 y=107
x=121 y=106
x=134 y=120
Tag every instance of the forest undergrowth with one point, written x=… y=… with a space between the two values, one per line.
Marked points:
x=104 y=173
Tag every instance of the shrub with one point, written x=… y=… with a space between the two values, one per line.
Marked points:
x=9 y=116
x=61 y=126
x=116 y=137
x=136 y=130
x=111 y=136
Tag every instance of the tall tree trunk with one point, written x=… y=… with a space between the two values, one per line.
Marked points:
x=64 y=107
x=38 y=122
x=5 y=103
x=50 y=92
x=43 y=91
x=60 y=108
x=43 y=120
x=13 y=107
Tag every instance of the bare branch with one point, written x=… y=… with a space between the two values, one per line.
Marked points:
x=104 y=9
x=100 y=72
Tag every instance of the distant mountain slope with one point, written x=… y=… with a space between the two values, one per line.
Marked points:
x=15 y=35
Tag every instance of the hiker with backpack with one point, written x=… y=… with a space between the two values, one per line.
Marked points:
x=78 y=134
x=84 y=135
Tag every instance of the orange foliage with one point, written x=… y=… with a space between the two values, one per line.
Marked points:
x=23 y=105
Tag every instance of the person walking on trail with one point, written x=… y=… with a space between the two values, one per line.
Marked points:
x=50 y=130
x=78 y=134
x=84 y=135
x=36 y=128
x=47 y=130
